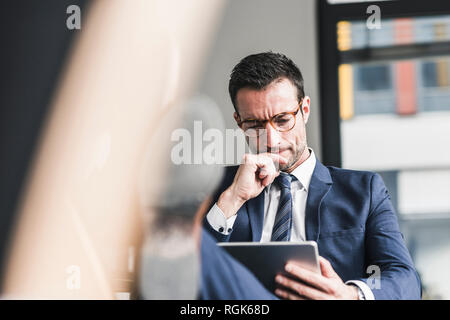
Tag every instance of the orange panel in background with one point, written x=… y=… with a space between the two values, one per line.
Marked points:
x=405 y=87
x=405 y=80
x=443 y=79
x=344 y=35
x=346 y=105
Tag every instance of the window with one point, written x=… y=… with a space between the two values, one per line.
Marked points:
x=385 y=96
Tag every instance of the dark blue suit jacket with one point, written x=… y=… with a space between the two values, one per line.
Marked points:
x=350 y=216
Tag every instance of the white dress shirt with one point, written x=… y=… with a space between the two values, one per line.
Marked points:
x=299 y=190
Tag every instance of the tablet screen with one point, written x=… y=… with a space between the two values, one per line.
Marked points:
x=265 y=260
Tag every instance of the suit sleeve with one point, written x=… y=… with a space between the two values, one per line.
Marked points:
x=393 y=275
x=224 y=278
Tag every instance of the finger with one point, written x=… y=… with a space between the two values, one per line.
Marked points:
x=263 y=173
x=266 y=165
x=312 y=278
x=287 y=295
x=271 y=177
x=263 y=158
x=327 y=268
x=266 y=159
x=266 y=181
x=267 y=170
x=276 y=158
x=301 y=289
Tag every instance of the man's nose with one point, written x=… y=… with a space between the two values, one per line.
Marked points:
x=272 y=137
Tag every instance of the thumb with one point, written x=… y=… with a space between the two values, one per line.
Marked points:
x=327 y=268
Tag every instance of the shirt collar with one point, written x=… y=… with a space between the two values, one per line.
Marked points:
x=305 y=170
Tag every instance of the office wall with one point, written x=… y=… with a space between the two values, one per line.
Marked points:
x=251 y=26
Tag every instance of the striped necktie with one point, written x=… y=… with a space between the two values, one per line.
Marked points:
x=283 y=220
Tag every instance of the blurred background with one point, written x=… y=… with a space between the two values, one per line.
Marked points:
x=379 y=88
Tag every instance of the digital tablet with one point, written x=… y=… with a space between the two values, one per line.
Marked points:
x=267 y=259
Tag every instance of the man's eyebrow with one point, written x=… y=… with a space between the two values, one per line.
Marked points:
x=256 y=119
x=283 y=112
x=250 y=118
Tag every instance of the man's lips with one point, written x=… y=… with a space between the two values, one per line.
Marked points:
x=277 y=151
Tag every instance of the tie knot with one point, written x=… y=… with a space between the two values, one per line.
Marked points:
x=284 y=180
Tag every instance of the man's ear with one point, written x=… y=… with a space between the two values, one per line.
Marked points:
x=237 y=118
x=306 y=108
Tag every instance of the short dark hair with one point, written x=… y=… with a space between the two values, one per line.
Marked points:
x=257 y=71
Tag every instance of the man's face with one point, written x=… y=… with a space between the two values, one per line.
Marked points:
x=280 y=96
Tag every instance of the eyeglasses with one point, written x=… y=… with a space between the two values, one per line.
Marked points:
x=281 y=122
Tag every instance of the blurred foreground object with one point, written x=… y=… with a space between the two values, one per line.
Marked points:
x=170 y=261
x=134 y=61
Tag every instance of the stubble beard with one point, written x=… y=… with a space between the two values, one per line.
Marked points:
x=296 y=157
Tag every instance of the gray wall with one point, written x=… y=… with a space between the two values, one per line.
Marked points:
x=251 y=26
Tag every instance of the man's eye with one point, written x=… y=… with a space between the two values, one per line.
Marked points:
x=254 y=125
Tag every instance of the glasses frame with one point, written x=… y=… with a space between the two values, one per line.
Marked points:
x=294 y=113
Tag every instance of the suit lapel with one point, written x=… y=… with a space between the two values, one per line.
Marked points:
x=255 y=211
x=319 y=186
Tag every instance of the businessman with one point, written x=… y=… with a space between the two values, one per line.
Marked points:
x=281 y=192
